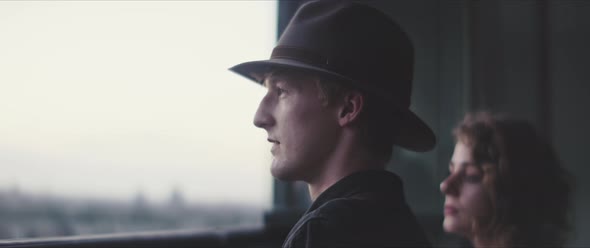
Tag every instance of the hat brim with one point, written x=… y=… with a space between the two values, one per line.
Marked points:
x=412 y=133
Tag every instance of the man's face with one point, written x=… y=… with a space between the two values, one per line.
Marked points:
x=301 y=127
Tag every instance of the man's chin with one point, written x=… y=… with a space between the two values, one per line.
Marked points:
x=282 y=173
x=282 y=176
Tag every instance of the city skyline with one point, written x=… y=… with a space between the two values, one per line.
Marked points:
x=108 y=98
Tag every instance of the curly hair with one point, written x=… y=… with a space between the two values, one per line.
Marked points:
x=528 y=188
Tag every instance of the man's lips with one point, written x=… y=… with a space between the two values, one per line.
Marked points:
x=275 y=145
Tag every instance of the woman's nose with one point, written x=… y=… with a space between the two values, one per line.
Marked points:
x=443 y=186
x=449 y=185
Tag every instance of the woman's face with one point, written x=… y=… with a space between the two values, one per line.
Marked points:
x=466 y=199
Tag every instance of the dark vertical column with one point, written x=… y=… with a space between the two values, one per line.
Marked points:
x=569 y=33
x=509 y=56
x=290 y=199
x=283 y=192
x=544 y=101
x=486 y=54
x=289 y=195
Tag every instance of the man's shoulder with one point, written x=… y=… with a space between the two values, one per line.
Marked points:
x=370 y=216
x=357 y=222
x=345 y=213
x=365 y=205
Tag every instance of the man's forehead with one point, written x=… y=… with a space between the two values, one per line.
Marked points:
x=288 y=76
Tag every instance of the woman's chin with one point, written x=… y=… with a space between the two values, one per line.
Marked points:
x=451 y=225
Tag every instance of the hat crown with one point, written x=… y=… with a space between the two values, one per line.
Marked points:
x=353 y=40
x=357 y=45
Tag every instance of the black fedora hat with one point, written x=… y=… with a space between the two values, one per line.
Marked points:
x=354 y=44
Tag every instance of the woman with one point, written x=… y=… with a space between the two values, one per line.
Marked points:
x=506 y=187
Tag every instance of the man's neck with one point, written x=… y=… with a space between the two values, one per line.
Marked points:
x=344 y=163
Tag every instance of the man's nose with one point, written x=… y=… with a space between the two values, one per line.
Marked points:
x=263 y=118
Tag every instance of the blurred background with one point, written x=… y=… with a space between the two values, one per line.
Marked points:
x=121 y=116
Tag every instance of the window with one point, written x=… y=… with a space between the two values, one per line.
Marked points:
x=122 y=116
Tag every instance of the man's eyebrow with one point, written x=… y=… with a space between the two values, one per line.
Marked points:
x=268 y=81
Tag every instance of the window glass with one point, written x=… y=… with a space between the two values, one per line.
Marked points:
x=122 y=116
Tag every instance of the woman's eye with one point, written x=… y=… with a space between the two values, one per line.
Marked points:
x=473 y=178
x=280 y=91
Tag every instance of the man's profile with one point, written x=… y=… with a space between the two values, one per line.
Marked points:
x=339 y=85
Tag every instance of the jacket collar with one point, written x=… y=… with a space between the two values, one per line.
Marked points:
x=381 y=182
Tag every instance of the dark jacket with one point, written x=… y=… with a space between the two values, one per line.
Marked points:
x=365 y=209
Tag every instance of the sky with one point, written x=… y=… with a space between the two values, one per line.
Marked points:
x=109 y=99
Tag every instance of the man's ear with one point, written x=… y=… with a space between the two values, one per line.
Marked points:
x=352 y=105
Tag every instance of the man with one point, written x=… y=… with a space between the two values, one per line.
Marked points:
x=339 y=86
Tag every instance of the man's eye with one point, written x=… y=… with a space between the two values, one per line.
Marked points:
x=280 y=91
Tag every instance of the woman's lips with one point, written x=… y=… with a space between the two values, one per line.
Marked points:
x=450 y=210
